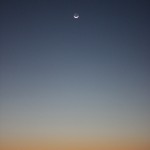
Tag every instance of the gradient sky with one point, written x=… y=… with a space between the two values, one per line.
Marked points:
x=83 y=78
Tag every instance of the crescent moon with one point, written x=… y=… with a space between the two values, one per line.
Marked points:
x=76 y=16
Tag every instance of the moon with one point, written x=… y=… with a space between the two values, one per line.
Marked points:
x=76 y=15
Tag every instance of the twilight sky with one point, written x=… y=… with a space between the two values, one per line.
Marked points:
x=62 y=77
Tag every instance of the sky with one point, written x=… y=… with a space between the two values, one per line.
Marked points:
x=74 y=83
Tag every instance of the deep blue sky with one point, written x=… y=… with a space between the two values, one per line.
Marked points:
x=63 y=75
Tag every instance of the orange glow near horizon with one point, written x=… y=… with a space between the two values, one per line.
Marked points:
x=73 y=144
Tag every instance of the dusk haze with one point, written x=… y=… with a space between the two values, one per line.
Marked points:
x=74 y=75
